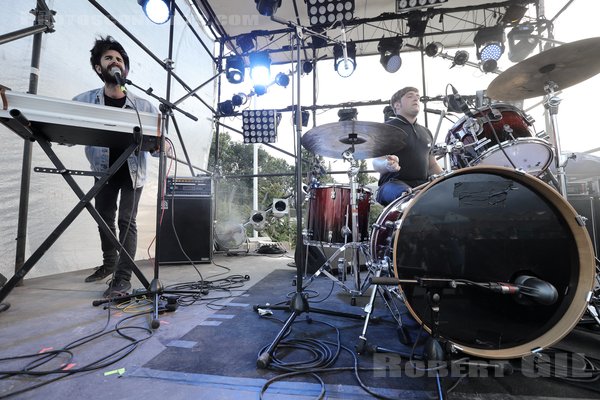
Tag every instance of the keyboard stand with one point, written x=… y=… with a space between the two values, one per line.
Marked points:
x=22 y=127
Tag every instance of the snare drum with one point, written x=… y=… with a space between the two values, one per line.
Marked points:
x=498 y=135
x=490 y=224
x=330 y=215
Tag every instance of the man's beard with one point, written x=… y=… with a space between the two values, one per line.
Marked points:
x=107 y=77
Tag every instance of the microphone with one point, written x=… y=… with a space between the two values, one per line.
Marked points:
x=462 y=104
x=425 y=99
x=431 y=110
x=527 y=290
x=116 y=73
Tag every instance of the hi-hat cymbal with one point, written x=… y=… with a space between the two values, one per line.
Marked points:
x=370 y=139
x=565 y=65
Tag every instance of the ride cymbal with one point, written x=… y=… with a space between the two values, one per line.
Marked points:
x=565 y=65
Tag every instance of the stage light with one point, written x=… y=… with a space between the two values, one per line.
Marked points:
x=239 y=99
x=513 y=14
x=260 y=68
x=280 y=207
x=282 y=79
x=226 y=108
x=260 y=126
x=389 y=48
x=489 y=65
x=403 y=5
x=304 y=116
x=157 y=11
x=433 y=49
x=267 y=7
x=326 y=12
x=520 y=42
x=460 y=58
x=347 y=114
x=344 y=66
x=246 y=42
x=417 y=23
x=234 y=69
x=489 y=43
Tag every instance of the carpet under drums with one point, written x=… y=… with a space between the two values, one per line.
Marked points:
x=223 y=350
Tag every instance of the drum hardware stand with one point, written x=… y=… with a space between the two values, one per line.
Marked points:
x=362 y=346
x=356 y=246
x=298 y=303
x=551 y=103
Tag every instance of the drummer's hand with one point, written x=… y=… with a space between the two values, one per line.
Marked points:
x=392 y=163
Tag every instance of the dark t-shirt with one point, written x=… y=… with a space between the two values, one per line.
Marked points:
x=114 y=154
x=414 y=157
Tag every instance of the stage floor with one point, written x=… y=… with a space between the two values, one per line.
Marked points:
x=208 y=349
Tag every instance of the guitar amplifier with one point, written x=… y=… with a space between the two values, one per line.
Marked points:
x=186 y=231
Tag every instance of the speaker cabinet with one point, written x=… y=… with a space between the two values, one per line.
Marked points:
x=589 y=207
x=191 y=217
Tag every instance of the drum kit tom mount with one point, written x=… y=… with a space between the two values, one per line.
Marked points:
x=509 y=256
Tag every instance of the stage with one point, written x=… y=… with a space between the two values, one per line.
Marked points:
x=208 y=349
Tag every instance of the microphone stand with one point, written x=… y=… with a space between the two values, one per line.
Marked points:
x=166 y=108
x=298 y=303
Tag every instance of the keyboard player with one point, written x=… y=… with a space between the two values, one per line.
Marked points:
x=109 y=60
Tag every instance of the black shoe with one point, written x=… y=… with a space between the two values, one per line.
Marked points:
x=100 y=273
x=117 y=287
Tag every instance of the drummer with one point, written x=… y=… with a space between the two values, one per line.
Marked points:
x=412 y=165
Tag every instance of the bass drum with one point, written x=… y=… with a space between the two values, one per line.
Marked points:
x=492 y=224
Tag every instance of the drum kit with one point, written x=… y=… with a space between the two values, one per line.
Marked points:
x=505 y=252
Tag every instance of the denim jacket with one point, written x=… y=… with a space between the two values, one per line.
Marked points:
x=98 y=156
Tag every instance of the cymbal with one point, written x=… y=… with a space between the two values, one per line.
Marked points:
x=370 y=139
x=565 y=65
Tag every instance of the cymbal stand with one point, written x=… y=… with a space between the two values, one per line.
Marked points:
x=551 y=103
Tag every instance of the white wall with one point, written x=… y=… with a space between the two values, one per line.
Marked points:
x=65 y=71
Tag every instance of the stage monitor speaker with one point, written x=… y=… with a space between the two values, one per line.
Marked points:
x=589 y=207
x=191 y=217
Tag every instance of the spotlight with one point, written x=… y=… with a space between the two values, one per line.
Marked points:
x=347 y=114
x=307 y=67
x=280 y=207
x=403 y=5
x=246 y=42
x=489 y=65
x=157 y=11
x=267 y=7
x=520 y=42
x=389 y=48
x=416 y=24
x=226 y=108
x=258 y=220
x=460 y=58
x=260 y=126
x=260 y=68
x=433 y=49
x=282 y=79
x=234 y=69
x=239 y=99
x=322 y=12
x=305 y=116
x=345 y=66
x=513 y=14
x=489 y=43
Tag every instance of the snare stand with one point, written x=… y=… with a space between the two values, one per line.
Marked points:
x=356 y=246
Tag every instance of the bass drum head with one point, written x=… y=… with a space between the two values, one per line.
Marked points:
x=492 y=224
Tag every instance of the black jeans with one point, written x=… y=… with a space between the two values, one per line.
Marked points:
x=106 y=205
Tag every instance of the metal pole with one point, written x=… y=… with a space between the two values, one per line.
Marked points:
x=43 y=17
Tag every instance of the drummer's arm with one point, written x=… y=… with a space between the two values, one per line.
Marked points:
x=434 y=167
x=385 y=164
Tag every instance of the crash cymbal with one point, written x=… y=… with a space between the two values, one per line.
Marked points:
x=370 y=139
x=565 y=65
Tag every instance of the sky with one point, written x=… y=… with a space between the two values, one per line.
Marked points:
x=577 y=130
